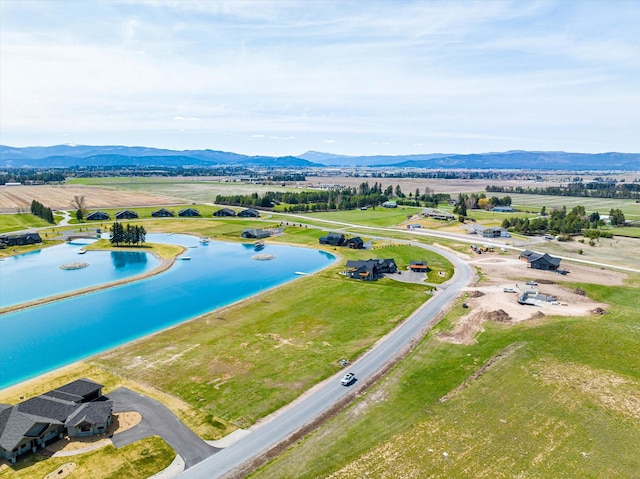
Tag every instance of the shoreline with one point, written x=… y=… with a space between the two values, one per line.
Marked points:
x=165 y=264
x=47 y=376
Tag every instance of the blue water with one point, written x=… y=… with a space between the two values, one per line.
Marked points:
x=39 y=339
x=37 y=275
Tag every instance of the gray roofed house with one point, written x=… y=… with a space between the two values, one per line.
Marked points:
x=162 y=213
x=77 y=409
x=98 y=215
x=333 y=239
x=255 y=233
x=126 y=215
x=370 y=269
x=540 y=261
x=20 y=239
x=189 y=212
x=249 y=213
x=224 y=212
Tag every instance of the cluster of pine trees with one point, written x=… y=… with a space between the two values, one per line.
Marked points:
x=127 y=235
x=42 y=211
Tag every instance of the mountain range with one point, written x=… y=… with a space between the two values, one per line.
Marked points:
x=84 y=155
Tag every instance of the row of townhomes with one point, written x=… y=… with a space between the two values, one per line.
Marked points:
x=75 y=409
x=165 y=213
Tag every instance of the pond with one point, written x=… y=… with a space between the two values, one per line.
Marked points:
x=43 y=338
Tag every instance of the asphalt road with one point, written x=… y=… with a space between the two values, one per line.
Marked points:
x=322 y=397
x=158 y=420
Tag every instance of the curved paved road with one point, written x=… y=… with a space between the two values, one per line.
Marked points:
x=320 y=399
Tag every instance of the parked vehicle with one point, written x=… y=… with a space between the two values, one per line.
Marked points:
x=509 y=290
x=531 y=283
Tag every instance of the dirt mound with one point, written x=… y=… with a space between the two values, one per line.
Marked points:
x=580 y=291
x=537 y=315
x=500 y=316
x=599 y=311
x=476 y=294
x=546 y=281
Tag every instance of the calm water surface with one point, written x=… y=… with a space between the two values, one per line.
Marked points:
x=43 y=338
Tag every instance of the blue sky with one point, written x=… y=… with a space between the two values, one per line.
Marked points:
x=358 y=78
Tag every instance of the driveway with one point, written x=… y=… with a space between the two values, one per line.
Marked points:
x=158 y=420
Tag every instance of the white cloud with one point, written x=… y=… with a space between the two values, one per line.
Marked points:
x=450 y=75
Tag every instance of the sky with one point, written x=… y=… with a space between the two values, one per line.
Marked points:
x=346 y=77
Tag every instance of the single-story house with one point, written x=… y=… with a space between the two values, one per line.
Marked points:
x=540 y=261
x=77 y=409
x=98 y=215
x=371 y=269
x=437 y=214
x=333 y=239
x=126 y=215
x=249 y=213
x=20 y=240
x=255 y=233
x=355 y=243
x=162 y=213
x=389 y=204
x=495 y=232
x=189 y=212
x=418 y=266
x=503 y=209
x=224 y=212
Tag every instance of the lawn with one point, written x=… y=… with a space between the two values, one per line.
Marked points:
x=17 y=222
x=244 y=362
x=630 y=208
x=546 y=398
x=136 y=461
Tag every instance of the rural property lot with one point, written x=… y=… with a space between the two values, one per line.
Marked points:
x=489 y=302
x=15 y=199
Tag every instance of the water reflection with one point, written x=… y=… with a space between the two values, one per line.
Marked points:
x=122 y=259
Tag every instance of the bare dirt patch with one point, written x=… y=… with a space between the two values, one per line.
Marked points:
x=16 y=199
x=488 y=300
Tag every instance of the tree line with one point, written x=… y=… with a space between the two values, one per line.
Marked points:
x=339 y=198
x=566 y=223
x=42 y=211
x=127 y=235
x=593 y=189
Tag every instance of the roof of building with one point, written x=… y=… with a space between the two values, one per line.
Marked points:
x=532 y=257
x=90 y=413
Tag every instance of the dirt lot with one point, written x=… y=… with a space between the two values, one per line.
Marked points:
x=17 y=199
x=489 y=302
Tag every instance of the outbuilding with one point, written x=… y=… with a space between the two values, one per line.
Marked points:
x=162 y=213
x=224 y=212
x=126 y=215
x=541 y=261
x=189 y=212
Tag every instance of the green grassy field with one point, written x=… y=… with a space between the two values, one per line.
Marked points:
x=246 y=361
x=630 y=208
x=556 y=399
x=17 y=222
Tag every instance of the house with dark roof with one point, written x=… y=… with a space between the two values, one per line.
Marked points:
x=98 y=215
x=355 y=243
x=126 y=215
x=189 y=212
x=249 y=213
x=162 y=213
x=540 y=261
x=418 y=266
x=255 y=233
x=370 y=269
x=333 y=239
x=20 y=240
x=76 y=409
x=224 y=212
